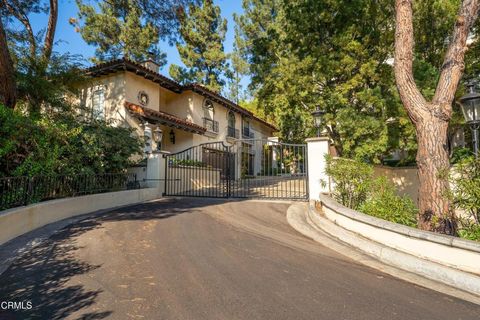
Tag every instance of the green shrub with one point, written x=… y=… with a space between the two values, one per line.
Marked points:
x=62 y=144
x=465 y=195
x=383 y=203
x=188 y=163
x=465 y=187
x=469 y=230
x=356 y=188
x=459 y=154
x=352 y=180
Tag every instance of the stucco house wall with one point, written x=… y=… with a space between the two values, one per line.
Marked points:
x=122 y=85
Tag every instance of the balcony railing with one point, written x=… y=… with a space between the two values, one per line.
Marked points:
x=232 y=132
x=211 y=125
x=247 y=133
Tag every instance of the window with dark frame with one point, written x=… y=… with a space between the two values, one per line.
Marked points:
x=98 y=104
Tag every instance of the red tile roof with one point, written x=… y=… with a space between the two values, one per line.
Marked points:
x=126 y=64
x=163 y=118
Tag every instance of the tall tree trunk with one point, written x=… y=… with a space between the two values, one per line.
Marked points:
x=50 y=35
x=8 y=90
x=433 y=163
x=431 y=118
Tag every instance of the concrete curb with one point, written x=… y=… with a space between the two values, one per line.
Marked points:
x=431 y=256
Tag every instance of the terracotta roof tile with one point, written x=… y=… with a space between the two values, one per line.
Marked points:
x=164 y=118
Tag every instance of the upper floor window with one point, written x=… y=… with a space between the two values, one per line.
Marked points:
x=246 y=124
x=231 y=119
x=98 y=103
x=208 y=110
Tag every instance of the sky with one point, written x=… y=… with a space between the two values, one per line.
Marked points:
x=67 y=40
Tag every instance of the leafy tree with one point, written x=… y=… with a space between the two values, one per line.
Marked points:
x=201 y=50
x=118 y=30
x=37 y=57
x=332 y=54
x=62 y=143
x=338 y=55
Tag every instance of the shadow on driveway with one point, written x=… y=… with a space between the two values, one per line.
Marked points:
x=42 y=274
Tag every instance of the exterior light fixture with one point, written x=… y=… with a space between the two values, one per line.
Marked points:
x=172 y=136
x=157 y=137
x=317 y=119
x=470 y=104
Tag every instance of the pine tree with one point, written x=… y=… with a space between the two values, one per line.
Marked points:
x=118 y=30
x=201 y=50
x=239 y=68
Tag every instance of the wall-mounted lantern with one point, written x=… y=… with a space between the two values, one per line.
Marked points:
x=157 y=137
x=172 y=136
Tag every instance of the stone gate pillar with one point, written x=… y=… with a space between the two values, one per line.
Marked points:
x=317 y=148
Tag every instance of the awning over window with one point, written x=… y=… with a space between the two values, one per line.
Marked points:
x=163 y=118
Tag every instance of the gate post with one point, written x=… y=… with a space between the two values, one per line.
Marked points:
x=155 y=176
x=317 y=149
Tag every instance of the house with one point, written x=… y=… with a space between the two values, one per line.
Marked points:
x=136 y=95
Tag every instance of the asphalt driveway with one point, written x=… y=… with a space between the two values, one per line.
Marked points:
x=206 y=259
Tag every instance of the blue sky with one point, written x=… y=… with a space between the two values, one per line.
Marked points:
x=70 y=41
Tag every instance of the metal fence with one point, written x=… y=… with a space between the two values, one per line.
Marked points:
x=20 y=191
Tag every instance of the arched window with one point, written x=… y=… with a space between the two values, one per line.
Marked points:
x=208 y=109
x=98 y=103
x=231 y=119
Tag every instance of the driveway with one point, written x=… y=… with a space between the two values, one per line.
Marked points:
x=206 y=259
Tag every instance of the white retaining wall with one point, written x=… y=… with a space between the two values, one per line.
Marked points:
x=450 y=260
x=17 y=221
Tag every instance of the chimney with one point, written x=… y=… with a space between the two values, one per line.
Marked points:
x=150 y=62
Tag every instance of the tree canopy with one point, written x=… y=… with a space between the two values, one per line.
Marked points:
x=338 y=55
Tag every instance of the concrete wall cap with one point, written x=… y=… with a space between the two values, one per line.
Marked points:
x=317 y=139
x=398 y=228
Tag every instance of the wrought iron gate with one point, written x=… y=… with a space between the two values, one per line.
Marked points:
x=253 y=168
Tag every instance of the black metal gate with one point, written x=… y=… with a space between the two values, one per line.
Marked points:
x=254 y=168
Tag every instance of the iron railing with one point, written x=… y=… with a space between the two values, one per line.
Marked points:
x=211 y=125
x=20 y=191
x=232 y=132
x=247 y=133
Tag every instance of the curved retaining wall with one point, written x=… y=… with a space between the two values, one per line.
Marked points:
x=17 y=221
x=450 y=260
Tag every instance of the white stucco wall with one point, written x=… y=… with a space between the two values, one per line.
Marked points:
x=114 y=95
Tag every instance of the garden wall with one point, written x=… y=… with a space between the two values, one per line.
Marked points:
x=405 y=179
x=17 y=221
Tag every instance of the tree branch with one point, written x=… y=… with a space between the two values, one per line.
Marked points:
x=412 y=98
x=8 y=93
x=453 y=64
x=22 y=17
x=52 y=25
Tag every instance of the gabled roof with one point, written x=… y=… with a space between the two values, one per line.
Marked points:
x=164 y=118
x=125 y=64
